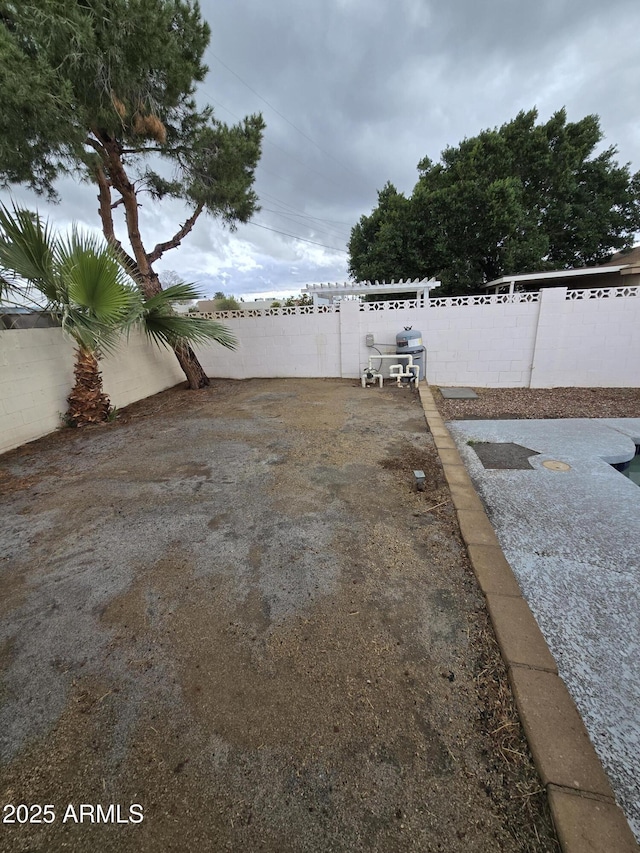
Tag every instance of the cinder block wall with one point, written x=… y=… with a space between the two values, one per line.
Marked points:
x=479 y=345
x=552 y=339
x=36 y=376
x=277 y=345
x=485 y=345
x=587 y=342
x=139 y=369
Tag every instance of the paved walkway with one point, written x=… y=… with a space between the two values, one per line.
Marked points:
x=573 y=540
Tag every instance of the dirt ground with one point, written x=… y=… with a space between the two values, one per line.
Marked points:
x=232 y=608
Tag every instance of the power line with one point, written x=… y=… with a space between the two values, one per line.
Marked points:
x=295 y=217
x=301 y=132
x=278 y=201
x=306 y=215
x=288 y=208
x=300 y=239
x=275 y=145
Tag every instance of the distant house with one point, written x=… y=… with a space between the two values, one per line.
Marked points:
x=208 y=306
x=622 y=269
x=17 y=317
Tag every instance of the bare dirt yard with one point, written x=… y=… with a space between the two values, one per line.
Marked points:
x=232 y=608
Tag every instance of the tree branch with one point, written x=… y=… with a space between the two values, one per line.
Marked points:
x=104 y=210
x=142 y=150
x=96 y=146
x=177 y=238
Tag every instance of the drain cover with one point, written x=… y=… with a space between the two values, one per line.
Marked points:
x=555 y=465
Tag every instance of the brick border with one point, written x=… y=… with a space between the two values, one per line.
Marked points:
x=585 y=814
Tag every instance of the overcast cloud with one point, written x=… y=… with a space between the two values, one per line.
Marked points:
x=373 y=86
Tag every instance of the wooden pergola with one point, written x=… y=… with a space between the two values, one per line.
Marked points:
x=323 y=293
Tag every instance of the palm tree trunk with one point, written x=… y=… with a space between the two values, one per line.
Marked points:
x=88 y=404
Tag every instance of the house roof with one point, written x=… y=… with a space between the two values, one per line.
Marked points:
x=557 y=277
x=631 y=258
x=616 y=264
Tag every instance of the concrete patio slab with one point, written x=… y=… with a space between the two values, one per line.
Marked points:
x=572 y=536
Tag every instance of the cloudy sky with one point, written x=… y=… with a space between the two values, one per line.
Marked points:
x=356 y=92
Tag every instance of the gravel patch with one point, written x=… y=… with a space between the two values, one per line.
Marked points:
x=510 y=403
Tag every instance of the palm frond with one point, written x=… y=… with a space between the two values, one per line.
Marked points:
x=172 y=329
x=94 y=280
x=89 y=333
x=181 y=292
x=25 y=249
x=83 y=281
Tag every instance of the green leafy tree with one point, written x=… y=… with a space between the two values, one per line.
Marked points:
x=519 y=198
x=226 y=303
x=382 y=245
x=81 y=280
x=105 y=89
x=296 y=301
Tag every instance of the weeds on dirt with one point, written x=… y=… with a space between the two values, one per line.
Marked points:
x=515 y=788
x=66 y=421
x=410 y=458
x=521 y=794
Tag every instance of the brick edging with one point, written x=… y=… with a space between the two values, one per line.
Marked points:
x=585 y=814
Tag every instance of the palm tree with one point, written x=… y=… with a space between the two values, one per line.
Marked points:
x=80 y=280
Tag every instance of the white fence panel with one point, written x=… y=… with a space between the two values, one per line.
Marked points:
x=36 y=376
x=555 y=338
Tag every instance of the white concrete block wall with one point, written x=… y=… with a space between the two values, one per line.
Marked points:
x=500 y=344
x=36 y=376
x=587 y=343
x=138 y=369
x=277 y=345
x=482 y=345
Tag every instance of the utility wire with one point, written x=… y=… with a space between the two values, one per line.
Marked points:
x=306 y=215
x=275 y=144
x=294 y=218
x=300 y=239
x=276 y=231
x=288 y=208
x=301 y=132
